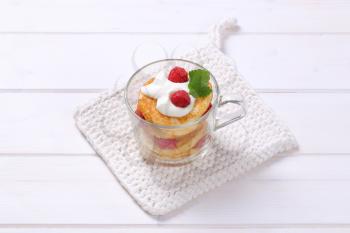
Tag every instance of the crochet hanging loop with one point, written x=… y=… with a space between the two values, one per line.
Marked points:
x=220 y=30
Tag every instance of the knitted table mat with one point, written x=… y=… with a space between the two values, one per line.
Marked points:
x=237 y=148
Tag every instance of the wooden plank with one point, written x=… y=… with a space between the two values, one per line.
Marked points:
x=181 y=229
x=57 y=168
x=292 y=62
x=319 y=121
x=68 y=202
x=241 y=202
x=90 y=168
x=43 y=122
x=80 y=190
x=170 y=16
x=270 y=202
x=90 y=61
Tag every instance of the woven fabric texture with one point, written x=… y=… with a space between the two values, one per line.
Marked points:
x=237 y=148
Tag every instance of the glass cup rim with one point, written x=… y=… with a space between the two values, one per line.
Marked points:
x=191 y=123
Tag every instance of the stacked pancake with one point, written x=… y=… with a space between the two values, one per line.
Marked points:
x=186 y=138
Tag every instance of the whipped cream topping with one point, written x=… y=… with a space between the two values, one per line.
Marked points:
x=161 y=88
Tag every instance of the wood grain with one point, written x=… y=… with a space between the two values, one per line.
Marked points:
x=241 y=202
x=90 y=168
x=182 y=229
x=173 y=16
x=99 y=61
x=77 y=183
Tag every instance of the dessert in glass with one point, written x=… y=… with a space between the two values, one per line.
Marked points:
x=172 y=105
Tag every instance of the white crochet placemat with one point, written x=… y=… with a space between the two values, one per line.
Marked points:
x=237 y=148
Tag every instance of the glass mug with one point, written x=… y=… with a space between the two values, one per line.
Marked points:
x=175 y=144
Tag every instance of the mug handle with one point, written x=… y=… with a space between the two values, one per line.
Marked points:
x=219 y=125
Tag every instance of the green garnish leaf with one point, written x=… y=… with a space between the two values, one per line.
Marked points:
x=199 y=83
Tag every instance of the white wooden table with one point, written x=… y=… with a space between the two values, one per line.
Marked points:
x=57 y=55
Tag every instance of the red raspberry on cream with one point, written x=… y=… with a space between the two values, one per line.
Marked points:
x=180 y=98
x=162 y=89
x=178 y=75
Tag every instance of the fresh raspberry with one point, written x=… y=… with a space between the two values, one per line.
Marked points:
x=164 y=143
x=139 y=113
x=209 y=107
x=178 y=75
x=180 y=98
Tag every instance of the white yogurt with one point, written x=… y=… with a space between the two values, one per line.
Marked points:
x=161 y=88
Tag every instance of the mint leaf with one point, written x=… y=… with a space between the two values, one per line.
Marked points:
x=199 y=83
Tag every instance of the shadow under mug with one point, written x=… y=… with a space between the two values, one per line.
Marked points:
x=176 y=144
